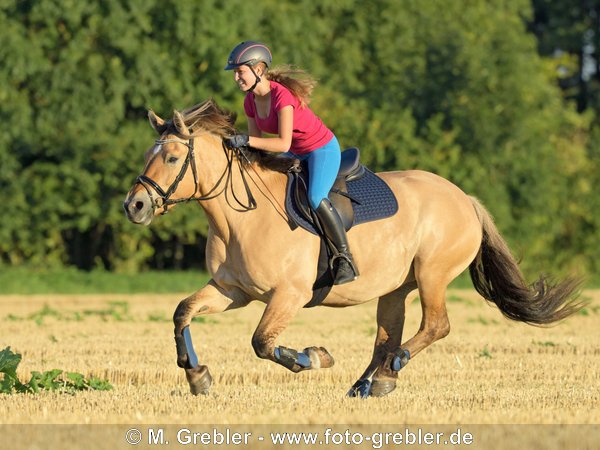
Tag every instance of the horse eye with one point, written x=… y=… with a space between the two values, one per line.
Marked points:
x=172 y=160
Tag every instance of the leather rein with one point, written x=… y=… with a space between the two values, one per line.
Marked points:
x=164 y=200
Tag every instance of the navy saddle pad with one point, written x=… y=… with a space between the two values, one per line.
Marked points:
x=372 y=199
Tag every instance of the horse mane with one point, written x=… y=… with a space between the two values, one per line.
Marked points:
x=269 y=160
x=205 y=117
x=209 y=117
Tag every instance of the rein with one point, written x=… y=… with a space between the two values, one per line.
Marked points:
x=164 y=199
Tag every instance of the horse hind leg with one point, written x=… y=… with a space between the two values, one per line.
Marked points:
x=390 y=324
x=434 y=326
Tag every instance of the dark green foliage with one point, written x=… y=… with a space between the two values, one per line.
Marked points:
x=451 y=87
x=51 y=380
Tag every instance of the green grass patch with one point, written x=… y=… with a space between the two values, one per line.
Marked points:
x=463 y=281
x=117 y=311
x=114 y=311
x=71 y=281
x=485 y=353
x=483 y=321
x=162 y=317
x=50 y=380
x=454 y=299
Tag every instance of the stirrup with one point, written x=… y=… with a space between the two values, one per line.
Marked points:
x=349 y=272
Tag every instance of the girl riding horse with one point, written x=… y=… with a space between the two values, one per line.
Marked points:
x=277 y=103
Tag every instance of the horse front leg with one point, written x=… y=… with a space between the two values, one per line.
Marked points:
x=208 y=300
x=280 y=310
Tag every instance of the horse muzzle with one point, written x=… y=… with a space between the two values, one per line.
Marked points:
x=138 y=208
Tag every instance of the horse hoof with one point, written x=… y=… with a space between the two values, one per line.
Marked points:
x=361 y=389
x=199 y=379
x=319 y=357
x=379 y=388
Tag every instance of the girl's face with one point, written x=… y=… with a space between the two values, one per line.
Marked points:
x=244 y=77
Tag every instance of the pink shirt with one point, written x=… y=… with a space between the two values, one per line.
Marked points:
x=308 y=134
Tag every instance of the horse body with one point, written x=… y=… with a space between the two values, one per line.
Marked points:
x=253 y=254
x=260 y=256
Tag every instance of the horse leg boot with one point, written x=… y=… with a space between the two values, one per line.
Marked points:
x=280 y=310
x=208 y=300
x=390 y=325
x=198 y=376
x=341 y=264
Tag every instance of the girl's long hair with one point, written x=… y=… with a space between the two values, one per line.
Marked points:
x=299 y=82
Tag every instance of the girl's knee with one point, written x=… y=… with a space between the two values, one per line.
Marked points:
x=315 y=200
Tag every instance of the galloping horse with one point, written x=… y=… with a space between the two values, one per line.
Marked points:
x=253 y=254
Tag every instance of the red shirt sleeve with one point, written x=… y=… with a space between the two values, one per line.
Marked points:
x=284 y=98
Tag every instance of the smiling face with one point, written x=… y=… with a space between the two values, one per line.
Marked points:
x=244 y=77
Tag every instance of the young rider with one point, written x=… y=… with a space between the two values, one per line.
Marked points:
x=276 y=103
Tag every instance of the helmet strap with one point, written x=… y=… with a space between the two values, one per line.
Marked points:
x=257 y=80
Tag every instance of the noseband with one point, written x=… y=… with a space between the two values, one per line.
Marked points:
x=164 y=199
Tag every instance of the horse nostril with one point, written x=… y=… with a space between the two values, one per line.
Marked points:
x=139 y=205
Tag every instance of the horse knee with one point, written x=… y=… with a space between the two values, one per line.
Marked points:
x=181 y=313
x=262 y=347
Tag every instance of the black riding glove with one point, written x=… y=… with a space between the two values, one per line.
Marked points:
x=237 y=141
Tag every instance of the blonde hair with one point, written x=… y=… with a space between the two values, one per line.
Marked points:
x=299 y=82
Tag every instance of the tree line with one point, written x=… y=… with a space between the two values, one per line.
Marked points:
x=502 y=99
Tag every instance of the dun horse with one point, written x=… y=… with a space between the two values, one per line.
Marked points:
x=253 y=254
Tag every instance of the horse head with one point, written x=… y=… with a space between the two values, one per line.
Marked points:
x=170 y=174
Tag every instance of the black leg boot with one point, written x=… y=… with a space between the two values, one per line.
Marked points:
x=342 y=265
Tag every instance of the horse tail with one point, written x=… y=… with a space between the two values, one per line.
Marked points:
x=498 y=279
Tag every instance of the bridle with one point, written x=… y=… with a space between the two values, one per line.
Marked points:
x=164 y=200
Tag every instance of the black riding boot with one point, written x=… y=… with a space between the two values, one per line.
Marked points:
x=341 y=264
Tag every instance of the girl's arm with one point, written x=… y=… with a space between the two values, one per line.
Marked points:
x=280 y=143
x=253 y=129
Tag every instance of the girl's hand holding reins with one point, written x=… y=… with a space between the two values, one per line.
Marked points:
x=237 y=141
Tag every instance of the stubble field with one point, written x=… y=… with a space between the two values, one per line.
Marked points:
x=487 y=371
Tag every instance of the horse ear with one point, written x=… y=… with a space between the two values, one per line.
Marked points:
x=157 y=123
x=180 y=123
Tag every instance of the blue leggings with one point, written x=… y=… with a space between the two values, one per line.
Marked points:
x=323 y=167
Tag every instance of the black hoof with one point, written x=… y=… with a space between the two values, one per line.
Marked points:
x=361 y=389
x=379 y=388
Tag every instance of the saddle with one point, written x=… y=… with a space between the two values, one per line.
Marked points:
x=358 y=195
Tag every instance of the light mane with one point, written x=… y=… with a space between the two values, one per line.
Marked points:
x=204 y=117
x=209 y=117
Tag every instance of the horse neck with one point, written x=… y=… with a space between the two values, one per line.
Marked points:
x=266 y=186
